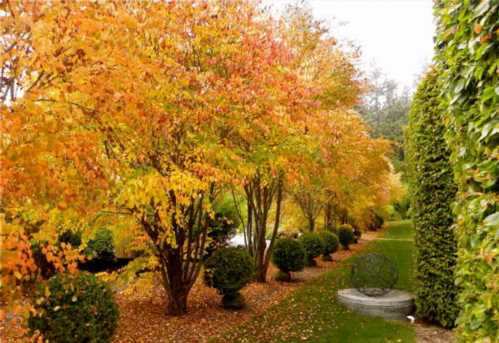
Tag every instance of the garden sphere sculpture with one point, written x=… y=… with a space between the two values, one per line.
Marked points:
x=373 y=274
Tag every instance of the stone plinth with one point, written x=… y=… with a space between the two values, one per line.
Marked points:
x=395 y=304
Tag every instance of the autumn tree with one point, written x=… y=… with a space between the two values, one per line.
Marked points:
x=335 y=173
x=132 y=107
x=323 y=77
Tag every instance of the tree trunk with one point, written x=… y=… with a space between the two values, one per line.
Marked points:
x=259 y=201
x=177 y=302
x=261 y=274
x=311 y=223
x=277 y=219
x=328 y=216
x=176 y=288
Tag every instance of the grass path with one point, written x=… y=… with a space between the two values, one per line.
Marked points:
x=312 y=313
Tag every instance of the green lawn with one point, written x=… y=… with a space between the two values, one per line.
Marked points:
x=312 y=313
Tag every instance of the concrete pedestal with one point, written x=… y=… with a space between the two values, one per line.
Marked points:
x=394 y=305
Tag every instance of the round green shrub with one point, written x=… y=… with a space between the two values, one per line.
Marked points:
x=229 y=270
x=346 y=235
x=313 y=245
x=330 y=245
x=289 y=256
x=101 y=247
x=70 y=237
x=74 y=308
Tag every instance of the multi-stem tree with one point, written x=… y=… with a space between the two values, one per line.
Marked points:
x=131 y=107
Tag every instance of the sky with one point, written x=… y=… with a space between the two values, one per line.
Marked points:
x=395 y=35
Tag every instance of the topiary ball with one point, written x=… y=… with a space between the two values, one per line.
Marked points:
x=313 y=245
x=74 y=308
x=330 y=245
x=373 y=274
x=289 y=256
x=346 y=236
x=230 y=269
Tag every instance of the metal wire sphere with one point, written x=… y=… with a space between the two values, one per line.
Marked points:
x=373 y=274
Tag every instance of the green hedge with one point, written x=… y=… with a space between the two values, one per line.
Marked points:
x=74 y=308
x=432 y=191
x=467 y=47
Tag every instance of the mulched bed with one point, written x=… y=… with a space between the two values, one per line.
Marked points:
x=143 y=318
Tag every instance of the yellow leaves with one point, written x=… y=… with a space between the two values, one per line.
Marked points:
x=162 y=197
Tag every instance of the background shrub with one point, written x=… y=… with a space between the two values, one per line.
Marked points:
x=101 y=247
x=313 y=245
x=402 y=207
x=76 y=308
x=471 y=98
x=376 y=222
x=432 y=192
x=330 y=245
x=289 y=256
x=346 y=236
x=70 y=237
x=229 y=270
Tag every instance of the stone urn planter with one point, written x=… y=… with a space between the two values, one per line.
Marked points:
x=395 y=304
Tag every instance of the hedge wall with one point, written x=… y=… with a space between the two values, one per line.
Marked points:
x=432 y=191
x=468 y=53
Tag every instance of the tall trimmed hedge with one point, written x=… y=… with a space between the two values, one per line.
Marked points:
x=467 y=47
x=432 y=191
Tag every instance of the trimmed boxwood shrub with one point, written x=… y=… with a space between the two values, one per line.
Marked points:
x=101 y=247
x=432 y=191
x=289 y=256
x=467 y=50
x=313 y=245
x=74 y=308
x=229 y=270
x=330 y=245
x=346 y=235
